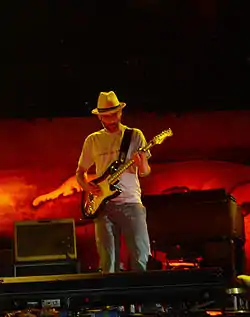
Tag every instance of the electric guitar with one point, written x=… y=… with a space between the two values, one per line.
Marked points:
x=109 y=181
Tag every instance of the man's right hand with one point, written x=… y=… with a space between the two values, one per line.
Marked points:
x=93 y=188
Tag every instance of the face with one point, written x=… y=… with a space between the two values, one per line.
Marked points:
x=111 y=122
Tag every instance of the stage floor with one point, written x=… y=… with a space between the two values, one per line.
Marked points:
x=91 y=289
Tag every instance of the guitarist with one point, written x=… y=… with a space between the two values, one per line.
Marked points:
x=125 y=213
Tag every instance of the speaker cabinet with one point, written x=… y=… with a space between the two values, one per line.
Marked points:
x=207 y=224
x=197 y=216
x=47 y=240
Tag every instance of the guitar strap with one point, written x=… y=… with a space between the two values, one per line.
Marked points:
x=125 y=145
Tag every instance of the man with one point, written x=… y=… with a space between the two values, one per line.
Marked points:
x=124 y=214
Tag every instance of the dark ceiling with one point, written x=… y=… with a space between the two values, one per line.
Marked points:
x=158 y=55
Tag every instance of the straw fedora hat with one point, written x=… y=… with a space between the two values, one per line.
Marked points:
x=108 y=103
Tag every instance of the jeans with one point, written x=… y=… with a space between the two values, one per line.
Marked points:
x=128 y=219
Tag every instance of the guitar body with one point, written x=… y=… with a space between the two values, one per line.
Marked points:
x=91 y=205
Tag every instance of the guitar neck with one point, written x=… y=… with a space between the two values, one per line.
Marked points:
x=156 y=140
x=120 y=170
x=125 y=166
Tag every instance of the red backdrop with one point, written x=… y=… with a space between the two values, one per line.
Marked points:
x=39 y=159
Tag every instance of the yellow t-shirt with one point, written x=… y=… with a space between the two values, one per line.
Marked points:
x=101 y=149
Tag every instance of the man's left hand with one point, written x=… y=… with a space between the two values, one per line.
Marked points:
x=139 y=158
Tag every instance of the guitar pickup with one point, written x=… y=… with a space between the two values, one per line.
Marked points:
x=115 y=187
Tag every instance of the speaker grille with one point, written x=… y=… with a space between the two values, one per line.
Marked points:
x=45 y=240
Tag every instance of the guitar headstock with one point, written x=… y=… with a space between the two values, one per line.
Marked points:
x=158 y=139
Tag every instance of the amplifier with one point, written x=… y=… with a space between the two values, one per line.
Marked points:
x=197 y=216
x=207 y=224
x=45 y=240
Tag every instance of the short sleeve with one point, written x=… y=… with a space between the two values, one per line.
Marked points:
x=86 y=157
x=140 y=140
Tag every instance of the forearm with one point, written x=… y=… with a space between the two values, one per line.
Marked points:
x=144 y=169
x=81 y=177
x=86 y=184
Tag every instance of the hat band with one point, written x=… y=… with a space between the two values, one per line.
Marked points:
x=107 y=109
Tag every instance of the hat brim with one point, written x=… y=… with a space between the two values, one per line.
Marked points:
x=103 y=113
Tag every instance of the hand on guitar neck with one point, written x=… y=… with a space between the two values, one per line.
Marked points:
x=141 y=161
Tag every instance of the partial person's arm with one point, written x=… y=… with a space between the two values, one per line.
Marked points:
x=141 y=158
x=88 y=186
x=84 y=163
x=141 y=161
x=82 y=178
